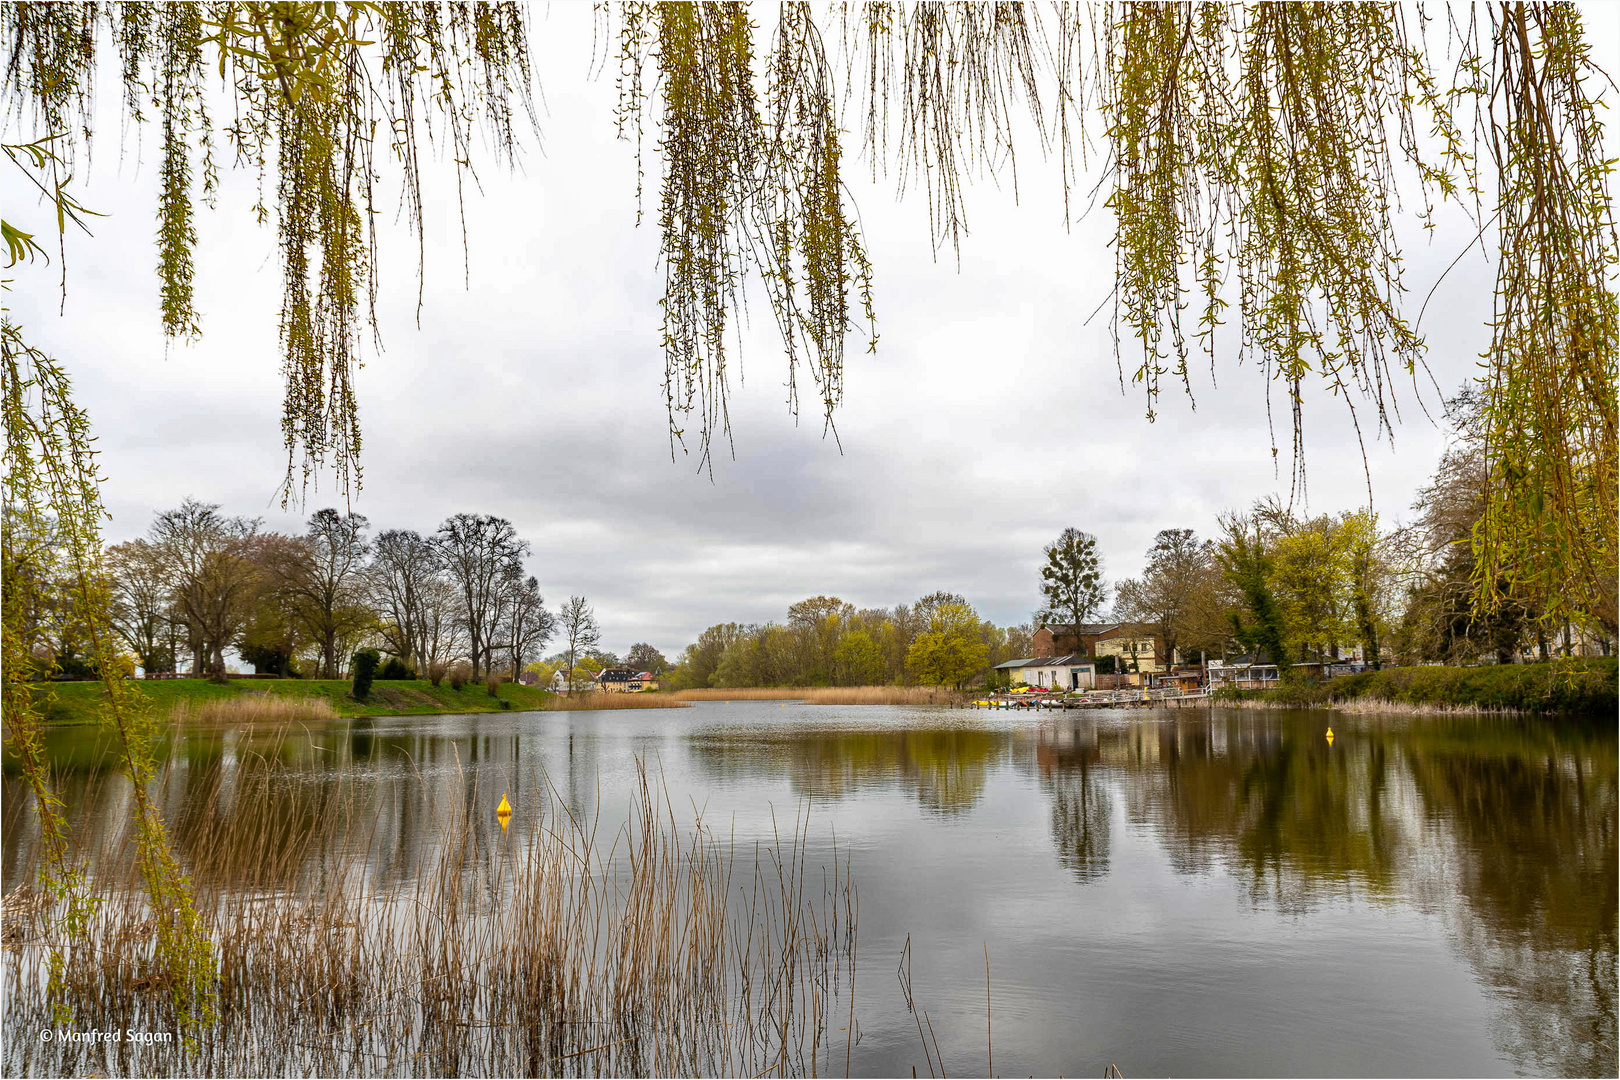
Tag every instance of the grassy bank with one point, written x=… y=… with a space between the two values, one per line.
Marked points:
x=244 y=700
x=831 y=695
x=1574 y=687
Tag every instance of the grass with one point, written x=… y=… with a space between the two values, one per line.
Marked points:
x=77 y=702
x=1584 y=687
x=832 y=695
x=560 y=947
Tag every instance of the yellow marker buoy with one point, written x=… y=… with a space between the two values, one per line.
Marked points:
x=1330 y=736
x=503 y=813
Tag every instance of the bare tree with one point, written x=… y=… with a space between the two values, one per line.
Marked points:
x=141 y=607
x=212 y=578
x=479 y=553
x=403 y=567
x=327 y=590
x=439 y=631
x=1172 y=594
x=577 y=624
x=527 y=625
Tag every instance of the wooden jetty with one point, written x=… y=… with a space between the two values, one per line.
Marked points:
x=1094 y=699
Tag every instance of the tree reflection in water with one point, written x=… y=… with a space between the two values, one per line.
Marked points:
x=1503 y=828
x=945 y=769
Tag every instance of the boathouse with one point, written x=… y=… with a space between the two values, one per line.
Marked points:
x=1069 y=672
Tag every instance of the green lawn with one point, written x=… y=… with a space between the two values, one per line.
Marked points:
x=76 y=702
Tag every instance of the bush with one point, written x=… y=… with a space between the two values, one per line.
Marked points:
x=1571 y=686
x=436 y=672
x=460 y=675
x=365 y=669
x=493 y=686
x=395 y=669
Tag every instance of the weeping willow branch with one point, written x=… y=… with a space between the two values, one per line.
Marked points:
x=1549 y=525
x=1253 y=161
x=316 y=88
x=52 y=518
x=744 y=192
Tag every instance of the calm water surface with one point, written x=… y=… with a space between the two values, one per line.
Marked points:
x=1173 y=892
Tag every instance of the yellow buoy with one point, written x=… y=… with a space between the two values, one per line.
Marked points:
x=1330 y=736
x=503 y=813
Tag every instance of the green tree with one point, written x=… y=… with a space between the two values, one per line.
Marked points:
x=951 y=650
x=858 y=660
x=1071 y=579
x=1247 y=565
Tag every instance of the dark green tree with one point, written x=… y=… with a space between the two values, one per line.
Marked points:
x=1071 y=580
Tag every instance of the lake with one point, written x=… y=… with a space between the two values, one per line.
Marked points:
x=1170 y=892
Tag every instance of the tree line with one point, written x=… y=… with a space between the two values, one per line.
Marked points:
x=938 y=640
x=1273 y=580
x=1301 y=587
x=201 y=582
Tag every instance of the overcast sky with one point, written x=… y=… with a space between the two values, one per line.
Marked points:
x=990 y=418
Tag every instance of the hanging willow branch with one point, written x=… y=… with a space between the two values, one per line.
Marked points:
x=746 y=190
x=315 y=86
x=1550 y=517
x=1252 y=155
x=53 y=568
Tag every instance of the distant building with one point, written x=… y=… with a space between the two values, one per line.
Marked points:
x=619 y=680
x=1073 y=639
x=1069 y=672
x=1136 y=646
x=1255 y=672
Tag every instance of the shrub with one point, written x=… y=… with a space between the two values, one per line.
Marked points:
x=493 y=687
x=436 y=672
x=395 y=669
x=460 y=675
x=365 y=669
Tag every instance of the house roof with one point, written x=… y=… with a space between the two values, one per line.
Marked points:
x=1071 y=660
x=1087 y=629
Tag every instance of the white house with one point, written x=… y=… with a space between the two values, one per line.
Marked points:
x=1072 y=672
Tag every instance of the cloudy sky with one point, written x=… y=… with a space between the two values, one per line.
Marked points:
x=990 y=418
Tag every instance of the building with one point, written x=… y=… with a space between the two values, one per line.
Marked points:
x=1136 y=646
x=1244 y=672
x=618 y=680
x=1068 y=672
x=1074 y=639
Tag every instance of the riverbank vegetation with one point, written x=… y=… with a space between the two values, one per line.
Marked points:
x=832 y=695
x=656 y=947
x=1586 y=687
x=254 y=700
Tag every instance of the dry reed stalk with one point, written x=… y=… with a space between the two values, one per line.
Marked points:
x=832 y=695
x=254 y=708
x=1384 y=706
x=555 y=949
x=597 y=699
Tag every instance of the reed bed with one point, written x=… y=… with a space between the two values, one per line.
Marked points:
x=598 y=699
x=832 y=695
x=559 y=948
x=1383 y=706
x=254 y=708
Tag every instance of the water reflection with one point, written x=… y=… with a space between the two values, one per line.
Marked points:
x=944 y=769
x=1503 y=828
x=1501 y=832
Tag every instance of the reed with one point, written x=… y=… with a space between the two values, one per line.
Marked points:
x=253 y=708
x=597 y=699
x=1381 y=705
x=560 y=947
x=832 y=695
